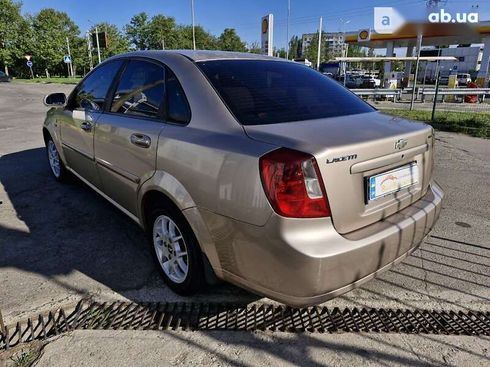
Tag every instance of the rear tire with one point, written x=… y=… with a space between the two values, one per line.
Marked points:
x=176 y=251
x=58 y=169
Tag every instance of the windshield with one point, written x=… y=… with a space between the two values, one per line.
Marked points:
x=262 y=92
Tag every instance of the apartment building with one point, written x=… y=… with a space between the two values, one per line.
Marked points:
x=333 y=41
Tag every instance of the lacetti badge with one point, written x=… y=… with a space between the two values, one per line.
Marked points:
x=401 y=143
x=341 y=159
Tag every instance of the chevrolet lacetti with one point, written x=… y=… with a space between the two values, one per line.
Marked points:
x=256 y=170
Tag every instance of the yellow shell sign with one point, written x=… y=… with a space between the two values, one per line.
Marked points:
x=364 y=35
x=265 y=25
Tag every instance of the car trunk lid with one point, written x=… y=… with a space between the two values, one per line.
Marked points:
x=352 y=148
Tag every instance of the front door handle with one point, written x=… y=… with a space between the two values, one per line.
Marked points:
x=140 y=140
x=86 y=126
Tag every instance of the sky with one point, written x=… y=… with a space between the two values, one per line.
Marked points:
x=245 y=15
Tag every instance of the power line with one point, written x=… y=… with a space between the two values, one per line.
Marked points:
x=332 y=14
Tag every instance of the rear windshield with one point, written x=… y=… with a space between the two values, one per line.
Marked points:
x=260 y=92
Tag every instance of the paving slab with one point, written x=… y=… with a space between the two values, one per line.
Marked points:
x=113 y=348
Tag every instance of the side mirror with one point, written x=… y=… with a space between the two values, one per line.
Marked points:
x=55 y=100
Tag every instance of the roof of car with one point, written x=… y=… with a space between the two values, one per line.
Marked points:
x=204 y=55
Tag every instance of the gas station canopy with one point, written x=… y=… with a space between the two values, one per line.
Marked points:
x=434 y=34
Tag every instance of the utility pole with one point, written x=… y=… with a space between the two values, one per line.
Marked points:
x=97 y=40
x=193 y=26
x=414 y=86
x=434 y=102
x=163 y=43
x=344 y=48
x=319 y=44
x=89 y=48
x=287 y=30
x=70 y=64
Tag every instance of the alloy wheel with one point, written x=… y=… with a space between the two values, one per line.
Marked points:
x=170 y=248
x=54 y=159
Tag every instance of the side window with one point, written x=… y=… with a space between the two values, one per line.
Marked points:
x=177 y=106
x=140 y=90
x=91 y=94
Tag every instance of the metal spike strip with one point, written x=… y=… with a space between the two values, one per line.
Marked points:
x=264 y=317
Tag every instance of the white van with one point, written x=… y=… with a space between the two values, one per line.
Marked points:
x=463 y=79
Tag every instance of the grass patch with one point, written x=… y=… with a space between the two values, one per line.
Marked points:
x=56 y=80
x=25 y=358
x=471 y=123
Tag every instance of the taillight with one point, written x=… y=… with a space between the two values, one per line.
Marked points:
x=293 y=184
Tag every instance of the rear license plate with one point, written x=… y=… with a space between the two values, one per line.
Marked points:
x=392 y=181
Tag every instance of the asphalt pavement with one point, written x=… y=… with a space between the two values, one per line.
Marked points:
x=59 y=243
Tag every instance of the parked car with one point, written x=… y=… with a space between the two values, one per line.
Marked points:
x=258 y=170
x=351 y=81
x=463 y=79
x=369 y=82
x=4 y=77
x=331 y=67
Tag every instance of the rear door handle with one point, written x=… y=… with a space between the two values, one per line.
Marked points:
x=140 y=140
x=86 y=126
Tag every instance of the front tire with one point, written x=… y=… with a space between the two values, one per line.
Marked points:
x=55 y=163
x=176 y=251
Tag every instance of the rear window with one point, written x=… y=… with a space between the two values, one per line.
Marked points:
x=260 y=92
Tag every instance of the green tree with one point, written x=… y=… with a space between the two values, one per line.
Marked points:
x=254 y=48
x=280 y=53
x=204 y=40
x=312 y=51
x=356 y=51
x=295 y=48
x=51 y=28
x=138 y=31
x=15 y=38
x=230 y=41
x=116 y=42
x=163 y=31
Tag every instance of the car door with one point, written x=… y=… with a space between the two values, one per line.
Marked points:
x=126 y=136
x=77 y=124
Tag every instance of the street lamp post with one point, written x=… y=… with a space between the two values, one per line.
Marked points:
x=193 y=26
x=319 y=44
x=287 y=30
x=89 y=47
x=344 y=49
x=414 y=86
x=69 y=64
x=97 y=40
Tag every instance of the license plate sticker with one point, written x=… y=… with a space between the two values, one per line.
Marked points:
x=392 y=181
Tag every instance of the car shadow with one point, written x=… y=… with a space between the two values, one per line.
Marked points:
x=56 y=230
x=77 y=240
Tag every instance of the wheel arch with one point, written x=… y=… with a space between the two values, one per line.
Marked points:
x=153 y=199
x=165 y=189
x=50 y=132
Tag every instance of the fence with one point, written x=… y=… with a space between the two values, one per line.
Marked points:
x=464 y=110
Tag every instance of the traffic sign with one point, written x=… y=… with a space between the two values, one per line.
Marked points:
x=67 y=59
x=29 y=63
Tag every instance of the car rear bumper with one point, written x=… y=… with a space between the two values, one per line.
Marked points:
x=302 y=262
